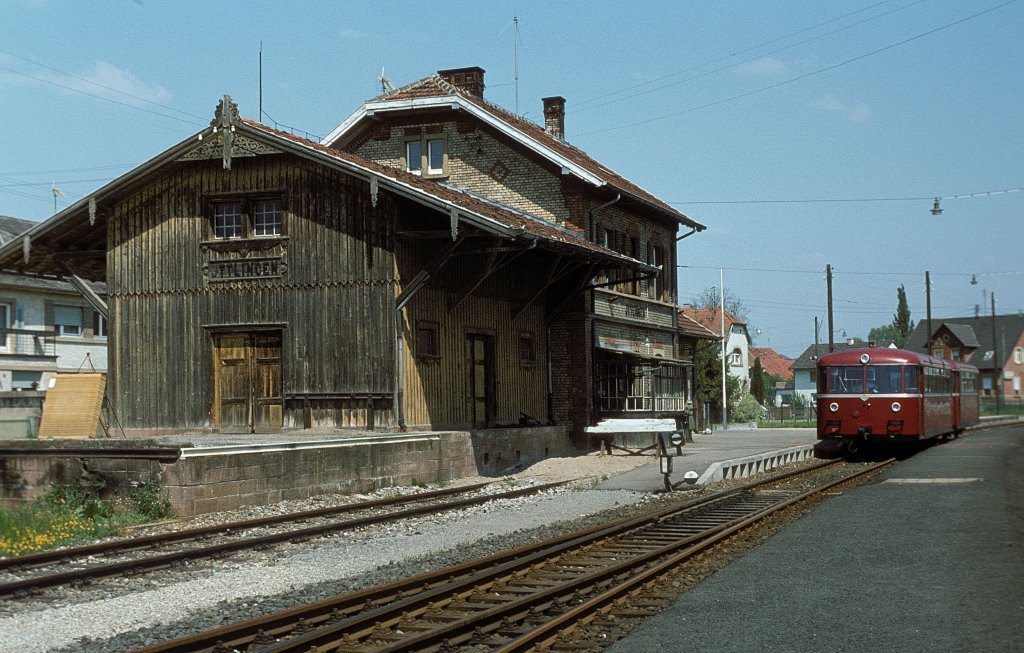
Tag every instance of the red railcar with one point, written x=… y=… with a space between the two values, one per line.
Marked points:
x=893 y=395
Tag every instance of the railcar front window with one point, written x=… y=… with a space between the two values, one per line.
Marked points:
x=846 y=380
x=884 y=379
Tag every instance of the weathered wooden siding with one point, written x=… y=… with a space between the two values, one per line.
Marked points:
x=437 y=391
x=333 y=302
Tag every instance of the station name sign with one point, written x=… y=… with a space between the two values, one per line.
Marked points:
x=249 y=268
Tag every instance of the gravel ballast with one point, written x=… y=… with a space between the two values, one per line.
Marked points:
x=169 y=605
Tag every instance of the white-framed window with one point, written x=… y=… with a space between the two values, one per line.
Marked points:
x=247 y=218
x=99 y=326
x=266 y=218
x=428 y=154
x=736 y=357
x=228 y=221
x=656 y=286
x=67 y=321
x=435 y=156
x=1018 y=355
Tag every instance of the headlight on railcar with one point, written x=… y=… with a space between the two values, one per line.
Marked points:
x=896 y=406
x=834 y=407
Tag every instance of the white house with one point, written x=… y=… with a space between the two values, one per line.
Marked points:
x=737 y=343
x=46 y=326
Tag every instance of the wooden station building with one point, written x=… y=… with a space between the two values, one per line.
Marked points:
x=617 y=350
x=257 y=281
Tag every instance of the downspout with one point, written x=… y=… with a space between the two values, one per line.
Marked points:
x=593 y=212
x=687 y=235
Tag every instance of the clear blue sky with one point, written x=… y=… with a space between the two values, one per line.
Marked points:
x=740 y=114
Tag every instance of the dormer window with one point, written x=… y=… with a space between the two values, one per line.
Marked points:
x=247 y=218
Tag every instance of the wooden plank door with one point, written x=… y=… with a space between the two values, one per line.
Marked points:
x=481 y=379
x=269 y=403
x=247 y=382
x=232 y=384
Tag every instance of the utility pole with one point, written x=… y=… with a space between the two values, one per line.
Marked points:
x=997 y=373
x=928 y=312
x=828 y=279
x=725 y=409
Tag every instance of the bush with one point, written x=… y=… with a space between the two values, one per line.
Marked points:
x=72 y=514
x=150 y=501
x=747 y=410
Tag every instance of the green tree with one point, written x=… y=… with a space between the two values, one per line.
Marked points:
x=710 y=298
x=899 y=330
x=901 y=319
x=883 y=335
x=709 y=381
x=757 y=381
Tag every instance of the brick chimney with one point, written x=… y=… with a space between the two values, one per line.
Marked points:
x=554 y=116
x=470 y=80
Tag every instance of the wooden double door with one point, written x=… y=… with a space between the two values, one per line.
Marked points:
x=247 y=382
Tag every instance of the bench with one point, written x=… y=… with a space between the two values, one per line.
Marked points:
x=607 y=429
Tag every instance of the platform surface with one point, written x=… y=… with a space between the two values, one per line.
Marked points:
x=705 y=450
x=928 y=557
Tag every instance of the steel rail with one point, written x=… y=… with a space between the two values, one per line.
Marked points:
x=544 y=636
x=151 y=541
x=166 y=560
x=364 y=608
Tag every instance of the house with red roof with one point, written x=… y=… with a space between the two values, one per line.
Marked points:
x=737 y=339
x=614 y=345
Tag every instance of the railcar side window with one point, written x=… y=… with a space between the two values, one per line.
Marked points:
x=910 y=383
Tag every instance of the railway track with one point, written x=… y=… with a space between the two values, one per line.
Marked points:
x=526 y=598
x=32 y=574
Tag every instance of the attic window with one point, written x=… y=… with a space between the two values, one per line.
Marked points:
x=426 y=154
x=248 y=218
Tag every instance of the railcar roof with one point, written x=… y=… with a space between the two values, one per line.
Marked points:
x=879 y=356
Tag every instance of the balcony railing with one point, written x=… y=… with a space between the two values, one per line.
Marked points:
x=28 y=342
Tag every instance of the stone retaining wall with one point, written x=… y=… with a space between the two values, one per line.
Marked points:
x=211 y=479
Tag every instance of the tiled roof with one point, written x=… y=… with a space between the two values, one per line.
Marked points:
x=712 y=318
x=11 y=227
x=773 y=362
x=1009 y=331
x=690 y=327
x=435 y=86
x=505 y=216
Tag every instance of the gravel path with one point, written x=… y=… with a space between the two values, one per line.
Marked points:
x=252 y=584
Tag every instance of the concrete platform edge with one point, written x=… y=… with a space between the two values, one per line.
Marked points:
x=750 y=465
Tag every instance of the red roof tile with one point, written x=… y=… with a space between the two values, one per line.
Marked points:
x=773 y=362
x=505 y=216
x=434 y=86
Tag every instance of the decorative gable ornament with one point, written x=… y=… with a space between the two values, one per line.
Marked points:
x=226 y=144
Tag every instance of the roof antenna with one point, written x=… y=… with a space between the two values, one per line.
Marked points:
x=515 y=57
x=385 y=83
x=261 y=81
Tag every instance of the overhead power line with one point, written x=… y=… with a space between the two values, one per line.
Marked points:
x=609 y=99
x=858 y=199
x=801 y=77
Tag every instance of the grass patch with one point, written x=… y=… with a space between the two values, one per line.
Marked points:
x=73 y=514
x=787 y=425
